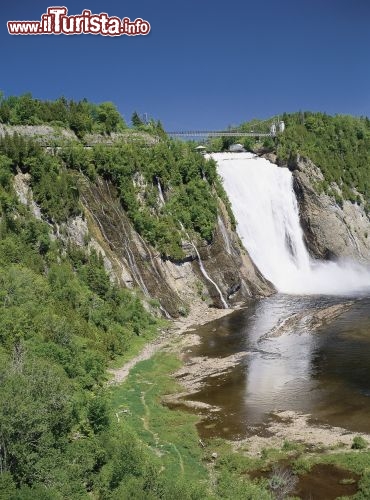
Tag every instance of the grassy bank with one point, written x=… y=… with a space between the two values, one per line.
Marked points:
x=185 y=469
x=171 y=440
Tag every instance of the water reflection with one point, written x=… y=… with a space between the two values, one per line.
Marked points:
x=325 y=373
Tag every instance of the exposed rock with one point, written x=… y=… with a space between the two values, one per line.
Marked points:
x=308 y=320
x=331 y=231
x=76 y=231
x=230 y=266
x=197 y=369
x=272 y=157
x=106 y=228
x=174 y=339
x=126 y=136
x=24 y=192
x=177 y=285
x=45 y=133
x=297 y=427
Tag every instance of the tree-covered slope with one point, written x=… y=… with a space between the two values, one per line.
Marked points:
x=61 y=321
x=79 y=116
x=339 y=145
x=189 y=183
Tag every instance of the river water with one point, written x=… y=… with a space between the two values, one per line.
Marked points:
x=325 y=372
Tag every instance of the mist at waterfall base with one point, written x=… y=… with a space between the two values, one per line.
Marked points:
x=266 y=211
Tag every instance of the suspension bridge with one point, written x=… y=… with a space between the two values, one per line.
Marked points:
x=220 y=133
x=272 y=131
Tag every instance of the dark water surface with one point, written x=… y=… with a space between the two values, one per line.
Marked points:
x=325 y=373
x=322 y=482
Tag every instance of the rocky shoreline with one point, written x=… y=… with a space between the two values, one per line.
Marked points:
x=200 y=314
x=297 y=427
x=283 y=425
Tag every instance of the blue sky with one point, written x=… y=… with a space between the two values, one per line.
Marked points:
x=205 y=64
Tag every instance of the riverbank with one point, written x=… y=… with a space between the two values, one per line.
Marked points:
x=290 y=426
x=200 y=314
x=197 y=370
x=192 y=372
x=163 y=373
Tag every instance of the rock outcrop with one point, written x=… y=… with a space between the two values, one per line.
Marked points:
x=331 y=230
x=45 y=134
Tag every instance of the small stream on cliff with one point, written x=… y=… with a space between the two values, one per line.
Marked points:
x=323 y=371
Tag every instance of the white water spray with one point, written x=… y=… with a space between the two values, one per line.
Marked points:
x=266 y=210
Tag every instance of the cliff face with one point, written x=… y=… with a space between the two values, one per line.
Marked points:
x=44 y=134
x=177 y=286
x=224 y=272
x=331 y=231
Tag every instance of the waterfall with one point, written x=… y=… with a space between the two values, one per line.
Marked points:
x=206 y=275
x=266 y=210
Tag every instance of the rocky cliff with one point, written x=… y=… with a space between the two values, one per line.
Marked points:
x=332 y=230
x=105 y=227
x=177 y=286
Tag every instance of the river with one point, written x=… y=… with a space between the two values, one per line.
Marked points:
x=324 y=371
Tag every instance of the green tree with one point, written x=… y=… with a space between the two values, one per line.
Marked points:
x=109 y=117
x=136 y=120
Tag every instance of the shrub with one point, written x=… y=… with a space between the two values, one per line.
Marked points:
x=359 y=443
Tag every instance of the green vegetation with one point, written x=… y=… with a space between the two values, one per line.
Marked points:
x=152 y=126
x=356 y=461
x=63 y=433
x=339 y=145
x=54 y=188
x=180 y=465
x=170 y=436
x=187 y=181
x=61 y=322
x=81 y=116
x=359 y=443
x=219 y=144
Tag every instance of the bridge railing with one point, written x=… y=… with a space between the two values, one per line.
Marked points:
x=219 y=133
